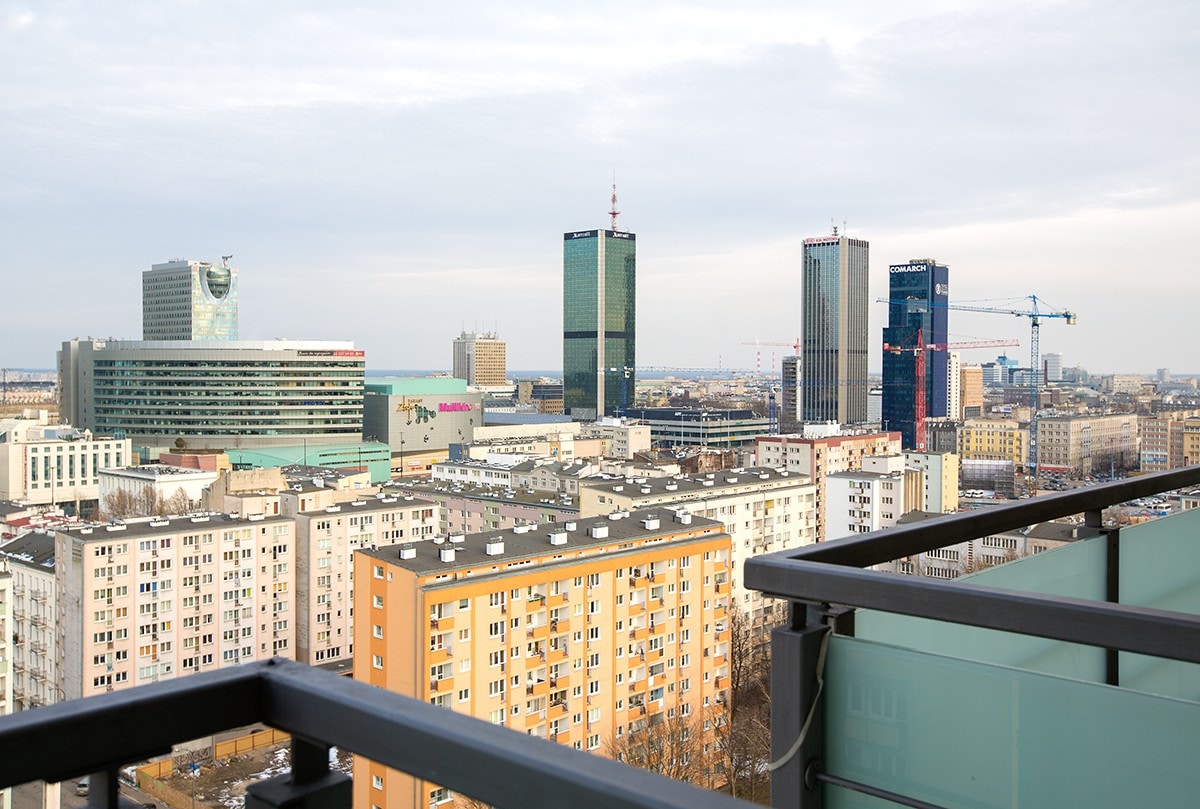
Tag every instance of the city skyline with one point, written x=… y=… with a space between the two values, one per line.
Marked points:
x=372 y=159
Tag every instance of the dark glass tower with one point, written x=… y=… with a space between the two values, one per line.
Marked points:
x=834 y=329
x=919 y=295
x=599 y=321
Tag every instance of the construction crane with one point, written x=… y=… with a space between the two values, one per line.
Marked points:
x=758 y=352
x=918 y=352
x=1035 y=315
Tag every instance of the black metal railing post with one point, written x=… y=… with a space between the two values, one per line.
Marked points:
x=309 y=785
x=1094 y=519
x=797 y=740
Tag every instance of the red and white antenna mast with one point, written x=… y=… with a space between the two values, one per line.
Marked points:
x=614 y=212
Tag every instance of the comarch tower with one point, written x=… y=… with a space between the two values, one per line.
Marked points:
x=190 y=300
x=834 y=329
x=918 y=294
x=599 y=321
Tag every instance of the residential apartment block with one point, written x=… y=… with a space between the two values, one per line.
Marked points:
x=819 y=456
x=326 y=539
x=871 y=498
x=579 y=634
x=762 y=509
x=33 y=618
x=1160 y=438
x=480 y=359
x=145 y=601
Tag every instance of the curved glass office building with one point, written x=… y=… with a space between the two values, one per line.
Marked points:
x=214 y=393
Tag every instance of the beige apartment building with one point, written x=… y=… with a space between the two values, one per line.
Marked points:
x=584 y=634
x=150 y=600
x=994 y=440
x=1083 y=445
x=763 y=510
x=1161 y=439
x=970 y=392
x=326 y=539
x=820 y=456
x=33 y=618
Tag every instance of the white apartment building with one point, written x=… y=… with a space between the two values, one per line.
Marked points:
x=625 y=438
x=953 y=561
x=33 y=616
x=871 y=498
x=326 y=539
x=55 y=464
x=156 y=599
x=762 y=509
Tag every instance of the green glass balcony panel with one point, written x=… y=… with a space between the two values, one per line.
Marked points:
x=960 y=733
x=1076 y=571
x=1160 y=568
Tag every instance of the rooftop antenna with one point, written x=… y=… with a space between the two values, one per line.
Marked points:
x=225 y=260
x=832 y=225
x=614 y=212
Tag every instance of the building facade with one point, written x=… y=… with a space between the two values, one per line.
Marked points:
x=918 y=297
x=190 y=300
x=1087 y=444
x=789 y=396
x=1161 y=440
x=56 y=465
x=599 y=322
x=153 y=600
x=993 y=440
x=480 y=359
x=970 y=392
x=214 y=394
x=941 y=480
x=581 y=634
x=834 y=329
x=819 y=457
x=702 y=427
x=872 y=498
x=763 y=510
x=33 y=615
x=419 y=418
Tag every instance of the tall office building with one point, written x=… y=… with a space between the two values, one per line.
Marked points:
x=834 y=329
x=480 y=359
x=190 y=300
x=789 y=396
x=1052 y=365
x=599 y=322
x=917 y=316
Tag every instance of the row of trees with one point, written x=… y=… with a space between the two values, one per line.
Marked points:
x=121 y=504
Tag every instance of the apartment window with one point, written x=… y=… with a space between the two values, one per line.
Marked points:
x=377 y=781
x=377 y=661
x=377 y=630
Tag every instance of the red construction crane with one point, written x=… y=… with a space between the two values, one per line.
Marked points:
x=918 y=351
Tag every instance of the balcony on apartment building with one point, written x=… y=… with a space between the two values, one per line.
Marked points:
x=1068 y=678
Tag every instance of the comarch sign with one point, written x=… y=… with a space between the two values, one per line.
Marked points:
x=899 y=268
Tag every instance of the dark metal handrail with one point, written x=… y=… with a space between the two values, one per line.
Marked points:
x=493 y=764
x=828 y=573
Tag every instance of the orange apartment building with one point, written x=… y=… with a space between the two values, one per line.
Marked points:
x=578 y=633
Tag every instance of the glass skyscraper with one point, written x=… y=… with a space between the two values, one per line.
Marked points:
x=599 y=322
x=189 y=300
x=834 y=329
x=919 y=296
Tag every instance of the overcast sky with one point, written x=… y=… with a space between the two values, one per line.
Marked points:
x=392 y=173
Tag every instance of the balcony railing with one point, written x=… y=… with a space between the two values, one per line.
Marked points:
x=101 y=734
x=1077 y=699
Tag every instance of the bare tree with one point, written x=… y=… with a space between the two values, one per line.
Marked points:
x=118 y=505
x=177 y=503
x=668 y=745
x=146 y=502
x=743 y=728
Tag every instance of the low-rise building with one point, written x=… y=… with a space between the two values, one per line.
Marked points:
x=727 y=428
x=859 y=501
x=992 y=439
x=153 y=489
x=1082 y=445
x=624 y=438
x=55 y=464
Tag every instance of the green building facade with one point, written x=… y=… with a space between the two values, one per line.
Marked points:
x=599 y=322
